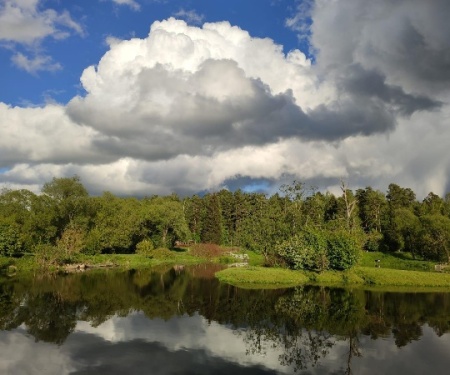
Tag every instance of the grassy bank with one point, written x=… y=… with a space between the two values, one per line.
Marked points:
x=397 y=270
x=29 y=263
x=256 y=277
x=161 y=256
x=358 y=276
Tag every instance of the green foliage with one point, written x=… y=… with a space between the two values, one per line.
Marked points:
x=163 y=220
x=373 y=241
x=343 y=249
x=212 y=221
x=71 y=242
x=434 y=237
x=10 y=243
x=162 y=253
x=320 y=249
x=145 y=247
x=48 y=256
x=306 y=250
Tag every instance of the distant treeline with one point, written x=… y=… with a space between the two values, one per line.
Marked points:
x=299 y=226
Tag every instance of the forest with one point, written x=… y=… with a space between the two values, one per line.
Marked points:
x=298 y=227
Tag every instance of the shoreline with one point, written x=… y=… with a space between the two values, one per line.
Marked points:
x=254 y=275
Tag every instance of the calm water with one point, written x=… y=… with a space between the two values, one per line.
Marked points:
x=183 y=321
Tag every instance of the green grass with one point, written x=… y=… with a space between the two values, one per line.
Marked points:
x=393 y=277
x=335 y=277
x=261 y=277
x=397 y=270
x=398 y=261
x=28 y=264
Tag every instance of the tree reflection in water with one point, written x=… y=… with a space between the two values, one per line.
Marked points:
x=303 y=323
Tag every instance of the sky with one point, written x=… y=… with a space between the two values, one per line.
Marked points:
x=142 y=97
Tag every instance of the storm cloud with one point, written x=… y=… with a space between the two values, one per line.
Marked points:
x=192 y=108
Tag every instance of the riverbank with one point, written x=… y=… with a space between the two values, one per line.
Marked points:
x=255 y=277
x=393 y=270
x=375 y=270
x=28 y=264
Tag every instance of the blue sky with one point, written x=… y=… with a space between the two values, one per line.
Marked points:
x=100 y=19
x=144 y=97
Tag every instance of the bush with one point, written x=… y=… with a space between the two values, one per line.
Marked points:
x=47 y=255
x=10 y=244
x=207 y=250
x=71 y=243
x=162 y=253
x=319 y=249
x=306 y=250
x=145 y=247
x=343 y=249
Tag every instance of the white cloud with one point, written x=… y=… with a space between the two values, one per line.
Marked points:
x=21 y=21
x=190 y=108
x=131 y=3
x=38 y=63
x=190 y=16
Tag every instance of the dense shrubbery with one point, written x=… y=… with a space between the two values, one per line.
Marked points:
x=320 y=249
x=145 y=247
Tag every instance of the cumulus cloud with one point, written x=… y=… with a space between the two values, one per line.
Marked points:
x=191 y=108
x=21 y=21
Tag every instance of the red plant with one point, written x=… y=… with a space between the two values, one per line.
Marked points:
x=207 y=250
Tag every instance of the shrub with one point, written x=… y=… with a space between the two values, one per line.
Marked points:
x=207 y=250
x=162 y=253
x=10 y=244
x=343 y=249
x=71 y=243
x=306 y=250
x=145 y=247
x=47 y=255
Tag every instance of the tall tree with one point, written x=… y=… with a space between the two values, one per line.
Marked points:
x=70 y=199
x=212 y=221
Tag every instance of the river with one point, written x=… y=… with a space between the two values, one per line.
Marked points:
x=181 y=320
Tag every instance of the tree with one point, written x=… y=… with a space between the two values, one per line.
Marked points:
x=350 y=205
x=432 y=204
x=294 y=195
x=194 y=212
x=372 y=208
x=407 y=226
x=10 y=244
x=435 y=237
x=212 y=221
x=397 y=198
x=117 y=225
x=70 y=199
x=164 y=220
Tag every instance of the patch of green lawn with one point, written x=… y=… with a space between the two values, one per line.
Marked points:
x=261 y=277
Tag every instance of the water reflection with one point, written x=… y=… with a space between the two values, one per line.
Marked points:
x=182 y=320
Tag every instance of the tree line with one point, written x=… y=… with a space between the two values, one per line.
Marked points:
x=299 y=226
